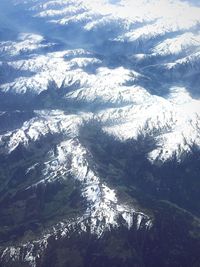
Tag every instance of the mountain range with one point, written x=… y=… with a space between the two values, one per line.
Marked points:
x=99 y=133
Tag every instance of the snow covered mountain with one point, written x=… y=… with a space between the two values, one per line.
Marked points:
x=129 y=69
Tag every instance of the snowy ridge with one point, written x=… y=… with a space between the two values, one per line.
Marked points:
x=175 y=119
x=46 y=122
x=177 y=14
x=179 y=44
x=26 y=43
x=102 y=213
x=71 y=157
